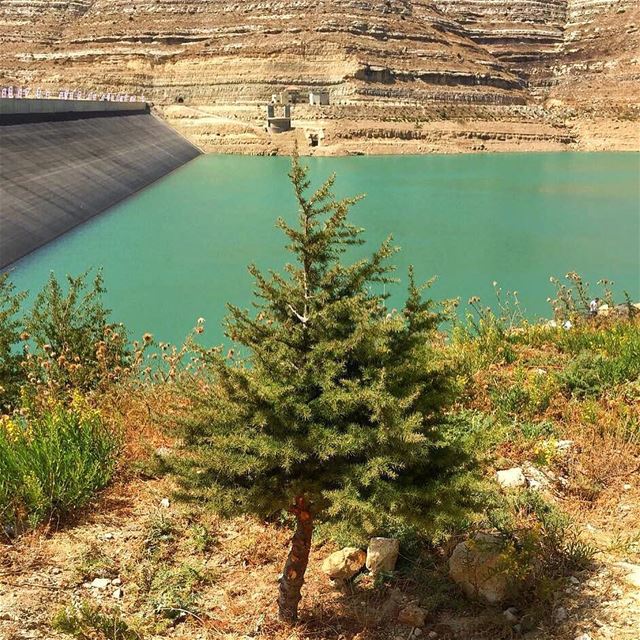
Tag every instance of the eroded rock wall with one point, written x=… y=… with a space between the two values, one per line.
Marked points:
x=562 y=61
x=244 y=51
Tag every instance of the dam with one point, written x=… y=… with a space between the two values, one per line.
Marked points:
x=63 y=162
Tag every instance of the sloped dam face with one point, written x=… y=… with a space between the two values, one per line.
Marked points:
x=61 y=163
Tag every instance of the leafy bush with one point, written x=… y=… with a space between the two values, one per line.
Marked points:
x=87 y=622
x=583 y=376
x=530 y=393
x=537 y=430
x=542 y=542
x=172 y=590
x=52 y=463
x=591 y=373
x=75 y=345
x=11 y=373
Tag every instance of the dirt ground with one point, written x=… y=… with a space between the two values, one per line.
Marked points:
x=131 y=537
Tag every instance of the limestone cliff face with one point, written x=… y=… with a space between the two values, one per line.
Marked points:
x=384 y=62
x=553 y=43
x=230 y=51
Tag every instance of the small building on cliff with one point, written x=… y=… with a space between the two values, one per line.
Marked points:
x=318 y=98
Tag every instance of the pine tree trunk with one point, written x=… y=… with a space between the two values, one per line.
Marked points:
x=297 y=560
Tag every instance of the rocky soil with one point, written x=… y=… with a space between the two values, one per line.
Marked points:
x=403 y=75
x=136 y=552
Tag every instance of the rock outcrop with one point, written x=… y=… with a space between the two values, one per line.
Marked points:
x=344 y=564
x=383 y=62
x=478 y=566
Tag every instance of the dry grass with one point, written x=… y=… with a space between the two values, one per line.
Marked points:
x=223 y=574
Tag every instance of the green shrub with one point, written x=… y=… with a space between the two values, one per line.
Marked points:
x=542 y=543
x=52 y=463
x=537 y=430
x=591 y=373
x=584 y=375
x=87 y=622
x=530 y=394
x=75 y=345
x=11 y=373
x=172 y=591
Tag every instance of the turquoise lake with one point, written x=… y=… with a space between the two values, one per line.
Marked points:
x=178 y=250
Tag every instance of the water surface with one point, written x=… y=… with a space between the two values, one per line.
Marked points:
x=179 y=250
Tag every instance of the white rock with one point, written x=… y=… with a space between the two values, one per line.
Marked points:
x=632 y=573
x=165 y=503
x=382 y=554
x=100 y=583
x=476 y=565
x=564 y=445
x=626 y=487
x=344 y=564
x=116 y=582
x=574 y=580
x=536 y=480
x=433 y=634
x=511 y=478
x=118 y=593
x=584 y=636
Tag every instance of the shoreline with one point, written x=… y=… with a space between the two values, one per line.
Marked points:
x=241 y=130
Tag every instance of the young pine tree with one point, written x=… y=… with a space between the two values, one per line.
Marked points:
x=333 y=410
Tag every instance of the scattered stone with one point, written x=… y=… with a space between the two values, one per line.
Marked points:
x=433 y=634
x=164 y=452
x=584 y=636
x=511 y=615
x=382 y=554
x=511 y=478
x=118 y=594
x=560 y=615
x=165 y=503
x=344 y=564
x=632 y=573
x=116 y=582
x=476 y=565
x=536 y=480
x=56 y=571
x=626 y=487
x=100 y=583
x=564 y=445
x=417 y=632
x=574 y=580
x=106 y=536
x=412 y=616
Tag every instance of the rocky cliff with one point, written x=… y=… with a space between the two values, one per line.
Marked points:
x=443 y=75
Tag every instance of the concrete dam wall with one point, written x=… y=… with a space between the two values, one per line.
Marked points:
x=61 y=163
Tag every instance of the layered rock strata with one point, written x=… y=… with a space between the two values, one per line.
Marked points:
x=567 y=61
